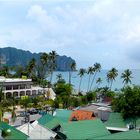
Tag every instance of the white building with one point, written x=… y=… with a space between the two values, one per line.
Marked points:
x=23 y=87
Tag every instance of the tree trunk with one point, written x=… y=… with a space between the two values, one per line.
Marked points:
x=111 y=84
x=88 y=82
x=51 y=77
x=80 y=85
x=92 y=81
x=69 y=77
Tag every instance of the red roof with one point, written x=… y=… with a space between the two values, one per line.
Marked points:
x=82 y=115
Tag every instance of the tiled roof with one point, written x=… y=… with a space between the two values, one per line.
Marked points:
x=132 y=134
x=14 y=134
x=86 y=129
x=82 y=115
x=116 y=120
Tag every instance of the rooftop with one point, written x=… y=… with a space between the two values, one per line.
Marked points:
x=49 y=121
x=82 y=115
x=86 y=129
x=132 y=134
x=36 y=131
x=14 y=134
x=116 y=120
x=8 y=80
x=60 y=115
x=63 y=114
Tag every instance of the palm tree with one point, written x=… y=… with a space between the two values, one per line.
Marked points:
x=13 y=108
x=31 y=65
x=1 y=98
x=126 y=76
x=96 y=69
x=98 y=81
x=111 y=75
x=4 y=104
x=5 y=71
x=41 y=69
x=52 y=63
x=44 y=59
x=59 y=76
x=81 y=74
x=90 y=72
x=72 y=68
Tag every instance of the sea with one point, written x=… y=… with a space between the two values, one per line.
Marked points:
x=117 y=84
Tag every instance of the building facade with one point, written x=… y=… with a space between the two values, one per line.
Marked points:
x=18 y=87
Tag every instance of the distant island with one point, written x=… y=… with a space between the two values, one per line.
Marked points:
x=13 y=57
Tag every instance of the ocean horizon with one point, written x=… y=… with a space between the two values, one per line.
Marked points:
x=117 y=84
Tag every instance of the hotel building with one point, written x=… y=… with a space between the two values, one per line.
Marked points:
x=18 y=87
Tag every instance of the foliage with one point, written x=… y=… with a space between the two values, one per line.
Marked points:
x=59 y=79
x=110 y=94
x=81 y=74
x=52 y=63
x=96 y=69
x=4 y=104
x=25 y=102
x=74 y=102
x=63 y=88
x=126 y=76
x=91 y=96
x=111 y=75
x=128 y=102
x=5 y=71
x=72 y=68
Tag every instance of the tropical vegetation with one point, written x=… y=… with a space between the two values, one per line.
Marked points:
x=126 y=99
x=128 y=103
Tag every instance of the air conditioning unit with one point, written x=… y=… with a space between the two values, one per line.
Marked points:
x=130 y=126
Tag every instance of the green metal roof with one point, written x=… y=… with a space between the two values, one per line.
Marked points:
x=87 y=129
x=116 y=120
x=14 y=134
x=49 y=121
x=63 y=114
x=132 y=134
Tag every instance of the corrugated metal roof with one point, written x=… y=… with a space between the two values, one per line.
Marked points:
x=116 y=120
x=49 y=121
x=14 y=134
x=63 y=114
x=132 y=134
x=87 y=129
x=36 y=131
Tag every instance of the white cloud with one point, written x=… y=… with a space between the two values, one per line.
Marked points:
x=99 y=30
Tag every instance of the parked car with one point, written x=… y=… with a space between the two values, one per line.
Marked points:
x=24 y=114
x=33 y=111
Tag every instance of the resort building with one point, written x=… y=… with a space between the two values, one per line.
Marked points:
x=18 y=87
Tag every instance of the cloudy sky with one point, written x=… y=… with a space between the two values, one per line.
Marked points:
x=105 y=31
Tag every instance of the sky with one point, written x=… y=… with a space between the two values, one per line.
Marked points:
x=89 y=31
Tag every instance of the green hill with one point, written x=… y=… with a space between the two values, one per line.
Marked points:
x=13 y=57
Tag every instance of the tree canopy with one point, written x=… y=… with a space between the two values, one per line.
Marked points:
x=128 y=102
